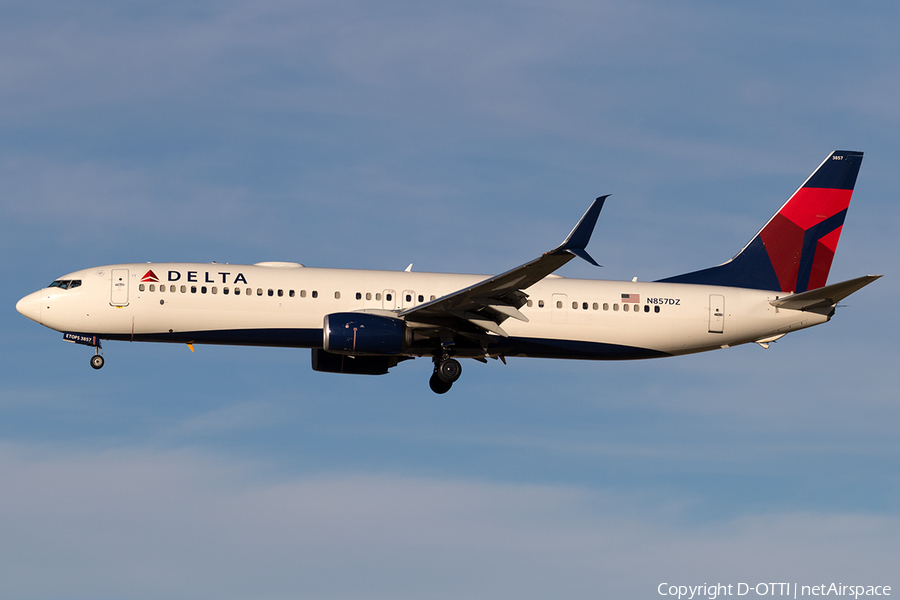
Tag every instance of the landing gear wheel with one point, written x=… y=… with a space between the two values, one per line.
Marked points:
x=438 y=385
x=449 y=370
x=97 y=361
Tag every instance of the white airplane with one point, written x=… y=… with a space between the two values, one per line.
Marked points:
x=366 y=322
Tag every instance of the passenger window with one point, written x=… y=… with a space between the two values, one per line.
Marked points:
x=389 y=297
x=615 y=307
x=368 y=295
x=646 y=308
x=529 y=304
x=237 y=291
x=559 y=304
x=315 y=294
x=584 y=306
x=595 y=306
x=358 y=295
x=656 y=309
x=280 y=293
x=378 y=296
x=215 y=290
x=203 y=289
x=183 y=289
x=337 y=295
x=421 y=298
x=249 y=291
x=433 y=297
x=625 y=307
x=575 y=305
x=172 y=288
x=141 y=287
x=303 y=293
x=225 y=290
x=409 y=297
x=152 y=287
x=259 y=292
x=291 y=293
x=193 y=289
x=271 y=292
x=540 y=304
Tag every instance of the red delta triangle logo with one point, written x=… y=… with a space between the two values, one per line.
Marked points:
x=150 y=276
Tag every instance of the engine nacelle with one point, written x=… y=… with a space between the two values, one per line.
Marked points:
x=362 y=334
x=326 y=362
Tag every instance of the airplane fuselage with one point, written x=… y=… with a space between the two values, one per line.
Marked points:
x=283 y=304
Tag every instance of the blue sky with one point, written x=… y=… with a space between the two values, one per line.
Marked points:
x=461 y=137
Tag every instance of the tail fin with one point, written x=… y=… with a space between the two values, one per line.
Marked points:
x=793 y=251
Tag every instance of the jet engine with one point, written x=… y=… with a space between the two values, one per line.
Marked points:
x=363 y=334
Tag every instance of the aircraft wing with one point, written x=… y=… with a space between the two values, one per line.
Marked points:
x=488 y=303
x=825 y=296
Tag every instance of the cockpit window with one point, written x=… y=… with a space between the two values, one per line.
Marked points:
x=66 y=284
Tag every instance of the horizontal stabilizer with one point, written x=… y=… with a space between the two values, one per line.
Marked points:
x=824 y=296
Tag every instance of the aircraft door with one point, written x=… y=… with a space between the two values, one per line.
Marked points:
x=118 y=293
x=558 y=308
x=716 y=313
x=389 y=299
x=408 y=300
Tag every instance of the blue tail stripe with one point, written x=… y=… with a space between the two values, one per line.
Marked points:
x=808 y=253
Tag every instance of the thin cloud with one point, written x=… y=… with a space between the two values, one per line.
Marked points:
x=183 y=524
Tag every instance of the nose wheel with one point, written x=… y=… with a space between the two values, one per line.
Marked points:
x=446 y=371
x=97 y=360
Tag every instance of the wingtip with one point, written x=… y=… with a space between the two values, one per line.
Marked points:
x=580 y=236
x=582 y=253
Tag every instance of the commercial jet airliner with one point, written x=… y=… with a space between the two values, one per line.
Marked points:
x=366 y=322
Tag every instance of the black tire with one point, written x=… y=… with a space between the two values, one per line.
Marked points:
x=438 y=385
x=97 y=361
x=449 y=370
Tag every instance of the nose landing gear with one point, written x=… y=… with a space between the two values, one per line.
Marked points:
x=446 y=371
x=87 y=340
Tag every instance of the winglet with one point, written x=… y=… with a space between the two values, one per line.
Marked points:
x=580 y=236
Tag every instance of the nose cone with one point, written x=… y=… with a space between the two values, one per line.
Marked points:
x=30 y=306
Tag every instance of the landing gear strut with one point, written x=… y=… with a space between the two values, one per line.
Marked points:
x=446 y=371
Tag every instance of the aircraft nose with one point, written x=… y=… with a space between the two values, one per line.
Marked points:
x=30 y=306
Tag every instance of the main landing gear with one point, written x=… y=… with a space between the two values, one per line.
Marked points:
x=97 y=359
x=446 y=371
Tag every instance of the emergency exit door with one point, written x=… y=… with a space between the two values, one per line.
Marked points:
x=716 y=313
x=558 y=308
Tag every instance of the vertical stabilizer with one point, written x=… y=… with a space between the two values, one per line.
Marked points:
x=793 y=251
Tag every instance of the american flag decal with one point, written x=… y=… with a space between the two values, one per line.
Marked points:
x=635 y=298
